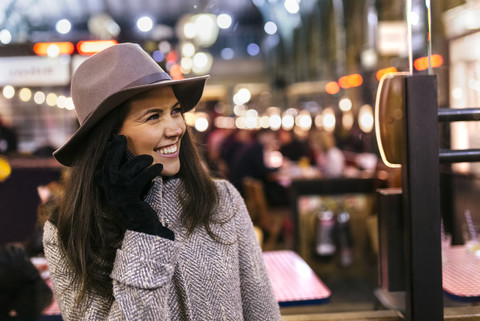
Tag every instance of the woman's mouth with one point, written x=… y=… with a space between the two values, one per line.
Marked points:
x=169 y=151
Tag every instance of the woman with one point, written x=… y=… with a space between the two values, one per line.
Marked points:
x=143 y=232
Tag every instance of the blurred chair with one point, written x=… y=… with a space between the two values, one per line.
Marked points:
x=272 y=221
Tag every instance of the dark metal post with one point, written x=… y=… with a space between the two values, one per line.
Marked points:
x=421 y=200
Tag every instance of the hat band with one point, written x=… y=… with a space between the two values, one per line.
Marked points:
x=149 y=79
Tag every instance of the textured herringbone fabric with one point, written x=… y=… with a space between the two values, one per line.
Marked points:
x=191 y=278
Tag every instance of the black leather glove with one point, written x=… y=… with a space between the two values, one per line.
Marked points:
x=123 y=182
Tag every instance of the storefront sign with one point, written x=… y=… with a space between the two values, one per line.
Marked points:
x=35 y=71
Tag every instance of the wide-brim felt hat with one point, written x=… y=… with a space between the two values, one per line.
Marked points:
x=111 y=77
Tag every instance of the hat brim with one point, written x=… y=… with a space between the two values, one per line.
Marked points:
x=188 y=92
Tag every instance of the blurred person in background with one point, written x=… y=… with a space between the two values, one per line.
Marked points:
x=249 y=161
x=232 y=143
x=291 y=147
x=143 y=231
x=23 y=293
x=213 y=157
x=327 y=156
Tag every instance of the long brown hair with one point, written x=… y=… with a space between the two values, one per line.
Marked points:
x=90 y=235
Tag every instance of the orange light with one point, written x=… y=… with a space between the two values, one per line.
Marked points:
x=94 y=46
x=59 y=48
x=385 y=71
x=422 y=62
x=350 y=81
x=332 y=87
x=176 y=72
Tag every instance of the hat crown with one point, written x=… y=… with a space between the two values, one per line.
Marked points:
x=108 y=72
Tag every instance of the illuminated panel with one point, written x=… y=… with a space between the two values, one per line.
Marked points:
x=350 y=81
x=94 y=46
x=59 y=48
x=422 y=62
x=385 y=71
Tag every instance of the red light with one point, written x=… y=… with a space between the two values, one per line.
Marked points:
x=94 y=46
x=172 y=56
x=176 y=72
x=350 y=81
x=332 y=87
x=57 y=48
x=385 y=71
x=422 y=62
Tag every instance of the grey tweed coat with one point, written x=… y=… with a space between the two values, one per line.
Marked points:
x=191 y=278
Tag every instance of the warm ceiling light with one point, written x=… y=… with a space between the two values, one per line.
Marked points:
x=350 y=81
x=94 y=46
x=422 y=63
x=385 y=71
x=332 y=87
x=62 y=48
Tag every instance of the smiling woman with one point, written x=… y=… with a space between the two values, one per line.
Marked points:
x=154 y=126
x=142 y=220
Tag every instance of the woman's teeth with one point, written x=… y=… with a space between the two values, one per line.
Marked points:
x=168 y=150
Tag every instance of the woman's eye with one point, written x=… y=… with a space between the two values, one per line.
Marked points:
x=176 y=111
x=153 y=117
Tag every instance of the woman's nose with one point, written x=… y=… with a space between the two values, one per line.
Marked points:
x=173 y=129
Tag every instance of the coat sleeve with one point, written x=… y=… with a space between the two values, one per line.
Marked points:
x=258 y=299
x=141 y=277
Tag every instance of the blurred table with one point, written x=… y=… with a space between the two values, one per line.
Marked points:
x=324 y=187
x=294 y=282
x=461 y=274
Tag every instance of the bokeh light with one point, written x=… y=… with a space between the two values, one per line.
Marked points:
x=61 y=101
x=8 y=92
x=145 y=24
x=347 y=120
x=291 y=6
x=25 y=94
x=63 y=26
x=5 y=36
x=188 y=49
x=227 y=53
x=39 y=97
x=253 y=49
x=270 y=27
x=365 y=118
x=288 y=122
x=275 y=122
x=201 y=124
x=328 y=119
x=51 y=99
x=345 y=104
x=224 y=21
x=158 y=56
x=242 y=96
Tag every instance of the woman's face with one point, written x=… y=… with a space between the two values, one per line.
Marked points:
x=155 y=126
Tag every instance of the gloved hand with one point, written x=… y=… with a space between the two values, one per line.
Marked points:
x=123 y=182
